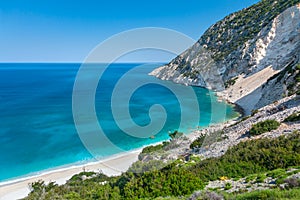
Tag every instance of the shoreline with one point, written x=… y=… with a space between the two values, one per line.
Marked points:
x=111 y=166
x=63 y=168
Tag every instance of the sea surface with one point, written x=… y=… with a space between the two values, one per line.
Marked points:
x=37 y=130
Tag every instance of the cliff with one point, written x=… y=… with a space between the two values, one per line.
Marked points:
x=238 y=55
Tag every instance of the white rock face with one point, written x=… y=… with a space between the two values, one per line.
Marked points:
x=275 y=46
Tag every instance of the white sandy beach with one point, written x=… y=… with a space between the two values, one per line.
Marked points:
x=111 y=166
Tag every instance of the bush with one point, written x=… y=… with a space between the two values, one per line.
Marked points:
x=263 y=127
x=253 y=112
x=251 y=157
x=276 y=173
x=261 y=178
x=175 y=135
x=150 y=149
x=251 y=178
x=228 y=186
x=207 y=139
x=198 y=142
x=293 y=117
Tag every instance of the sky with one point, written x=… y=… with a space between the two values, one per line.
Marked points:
x=67 y=30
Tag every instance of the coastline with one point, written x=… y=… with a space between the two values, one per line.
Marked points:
x=111 y=166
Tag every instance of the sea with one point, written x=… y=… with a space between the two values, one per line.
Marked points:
x=37 y=129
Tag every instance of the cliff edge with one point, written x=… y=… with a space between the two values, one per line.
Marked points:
x=249 y=58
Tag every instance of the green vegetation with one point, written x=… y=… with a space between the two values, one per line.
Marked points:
x=262 y=157
x=293 y=85
x=251 y=178
x=175 y=135
x=208 y=139
x=198 y=142
x=253 y=112
x=292 y=194
x=230 y=82
x=276 y=173
x=263 y=127
x=261 y=178
x=230 y=33
x=79 y=176
x=293 y=117
x=192 y=75
x=228 y=186
x=251 y=157
x=140 y=166
x=244 y=25
x=151 y=149
x=282 y=178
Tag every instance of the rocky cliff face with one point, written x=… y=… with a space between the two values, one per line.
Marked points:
x=238 y=55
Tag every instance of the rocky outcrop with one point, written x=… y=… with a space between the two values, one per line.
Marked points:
x=232 y=51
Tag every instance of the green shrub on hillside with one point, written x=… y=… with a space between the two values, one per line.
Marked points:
x=228 y=186
x=198 y=142
x=293 y=117
x=250 y=157
x=150 y=149
x=208 y=139
x=263 y=127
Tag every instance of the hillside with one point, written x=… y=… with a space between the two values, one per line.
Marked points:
x=231 y=56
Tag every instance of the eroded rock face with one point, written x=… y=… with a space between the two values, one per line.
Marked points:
x=276 y=45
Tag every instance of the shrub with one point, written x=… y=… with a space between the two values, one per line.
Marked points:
x=208 y=139
x=253 y=112
x=251 y=157
x=276 y=173
x=175 y=135
x=198 y=142
x=261 y=178
x=293 y=117
x=228 y=186
x=263 y=127
x=150 y=149
x=251 y=178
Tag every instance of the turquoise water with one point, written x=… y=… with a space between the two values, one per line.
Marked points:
x=36 y=124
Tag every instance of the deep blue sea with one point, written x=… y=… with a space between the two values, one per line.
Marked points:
x=37 y=130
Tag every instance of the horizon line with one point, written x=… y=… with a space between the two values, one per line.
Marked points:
x=77 y=62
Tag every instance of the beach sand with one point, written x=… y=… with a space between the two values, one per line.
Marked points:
x=112 y=166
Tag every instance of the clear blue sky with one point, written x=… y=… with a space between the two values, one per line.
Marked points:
x=67 y=30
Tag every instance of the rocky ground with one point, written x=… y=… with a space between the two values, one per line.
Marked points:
x=252 y=183
x=230 y=134
x=220 y=137
x=238 y=132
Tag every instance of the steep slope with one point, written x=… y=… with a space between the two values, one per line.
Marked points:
x=237 y=55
